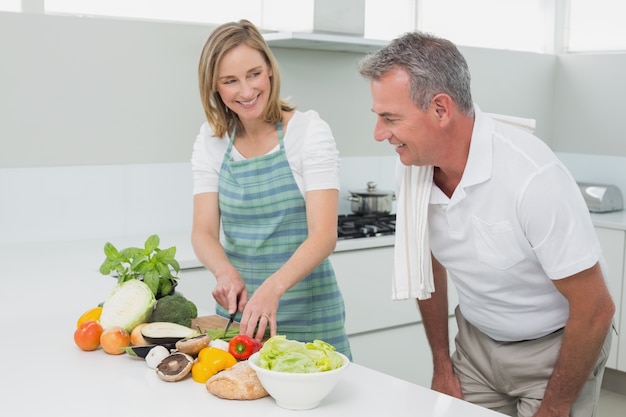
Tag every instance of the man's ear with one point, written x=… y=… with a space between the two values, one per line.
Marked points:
x=442 y=104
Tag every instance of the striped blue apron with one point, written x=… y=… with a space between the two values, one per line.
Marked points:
x=264 y=221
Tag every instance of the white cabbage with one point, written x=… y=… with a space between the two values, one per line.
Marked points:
x=129 y=304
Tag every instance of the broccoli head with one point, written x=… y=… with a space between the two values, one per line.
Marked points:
x=174 y=308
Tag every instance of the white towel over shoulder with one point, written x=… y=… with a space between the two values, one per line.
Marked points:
x=413 y=272
x=519 y=122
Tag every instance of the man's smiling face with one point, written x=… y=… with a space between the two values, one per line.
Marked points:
x=412 y=131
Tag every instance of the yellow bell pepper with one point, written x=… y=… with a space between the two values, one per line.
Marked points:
x=93 y=314
x=211 y=361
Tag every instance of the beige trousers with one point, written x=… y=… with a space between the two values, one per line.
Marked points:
x=511 y=377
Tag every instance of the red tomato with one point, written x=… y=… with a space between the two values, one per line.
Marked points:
x=87 y=335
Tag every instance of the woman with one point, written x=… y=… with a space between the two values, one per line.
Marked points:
x=269 y=176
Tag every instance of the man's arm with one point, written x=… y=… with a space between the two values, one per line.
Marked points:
x=591 y=312
x=434 y=313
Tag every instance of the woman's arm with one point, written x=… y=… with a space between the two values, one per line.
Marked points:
x=321 y=212
x=205 y=240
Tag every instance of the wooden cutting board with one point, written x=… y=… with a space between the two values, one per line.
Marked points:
x=210 y=322
x=214 y=322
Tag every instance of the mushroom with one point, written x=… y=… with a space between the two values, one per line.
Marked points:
x=156 y=355
x=174 y=367
x=193 y=345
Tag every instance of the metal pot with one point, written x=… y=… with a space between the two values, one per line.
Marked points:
x=371 y=200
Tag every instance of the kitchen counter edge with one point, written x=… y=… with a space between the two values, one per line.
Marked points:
x=188 y=260
x=611 y=220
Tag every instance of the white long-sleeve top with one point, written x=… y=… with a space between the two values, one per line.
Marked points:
x=309 y=144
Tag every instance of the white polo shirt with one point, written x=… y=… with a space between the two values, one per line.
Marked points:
x=516 y=221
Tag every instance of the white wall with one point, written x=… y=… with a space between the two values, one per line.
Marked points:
x=593 y=168
x=590 y=116
x=329 y=83
x=87 y=91
x=98 y=116
x=95 y=91
x=515 y=83
x=44 y=204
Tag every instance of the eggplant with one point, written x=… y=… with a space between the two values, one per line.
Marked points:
x=160 y=332
x=142 y=351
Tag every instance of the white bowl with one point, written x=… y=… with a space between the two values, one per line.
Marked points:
x=298 y=391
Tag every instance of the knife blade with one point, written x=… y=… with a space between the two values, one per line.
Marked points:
x=230 y=321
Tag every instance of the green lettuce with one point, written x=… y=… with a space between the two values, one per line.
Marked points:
x=283 y=355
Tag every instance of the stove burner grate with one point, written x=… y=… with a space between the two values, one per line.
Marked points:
x=351 y=226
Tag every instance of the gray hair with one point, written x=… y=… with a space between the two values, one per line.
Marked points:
x=435 y=66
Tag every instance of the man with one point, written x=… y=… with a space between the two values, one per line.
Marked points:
x=507 y=224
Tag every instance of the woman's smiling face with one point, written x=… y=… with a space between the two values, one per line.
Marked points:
x=243 y=81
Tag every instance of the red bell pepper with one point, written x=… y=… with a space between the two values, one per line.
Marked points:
x=243 y=346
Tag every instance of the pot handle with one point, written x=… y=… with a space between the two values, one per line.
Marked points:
x=356 y=199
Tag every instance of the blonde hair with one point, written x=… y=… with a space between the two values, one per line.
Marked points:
x=223 y=39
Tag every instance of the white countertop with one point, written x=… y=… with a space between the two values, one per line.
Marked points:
x=47 y=286
x=612 y=220
x=76 y=383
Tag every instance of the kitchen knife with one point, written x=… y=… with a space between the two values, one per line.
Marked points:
x=230 y=321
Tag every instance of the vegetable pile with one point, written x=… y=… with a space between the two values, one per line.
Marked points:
x=161 y=334
x=157 y=329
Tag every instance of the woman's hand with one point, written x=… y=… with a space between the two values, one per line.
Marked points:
x=260 y=309
x=230 y=291
x=321 y=209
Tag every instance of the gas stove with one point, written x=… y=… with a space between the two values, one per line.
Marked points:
x=353 y=226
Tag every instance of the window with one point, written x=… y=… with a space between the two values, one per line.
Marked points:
x=287 y=15
x=545 y=26
x=500 y=24
x=267 y=14
x=199 y=11
x=10 y=5
x=388 y=19
x=597 y=25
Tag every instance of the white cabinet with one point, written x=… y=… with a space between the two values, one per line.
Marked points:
x=401 y=351
x=364 y=277
x=612 y=242
x=385 y=335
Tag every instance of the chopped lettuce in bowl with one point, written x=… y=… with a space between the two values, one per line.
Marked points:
x=283 y=355
x=298 y=375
